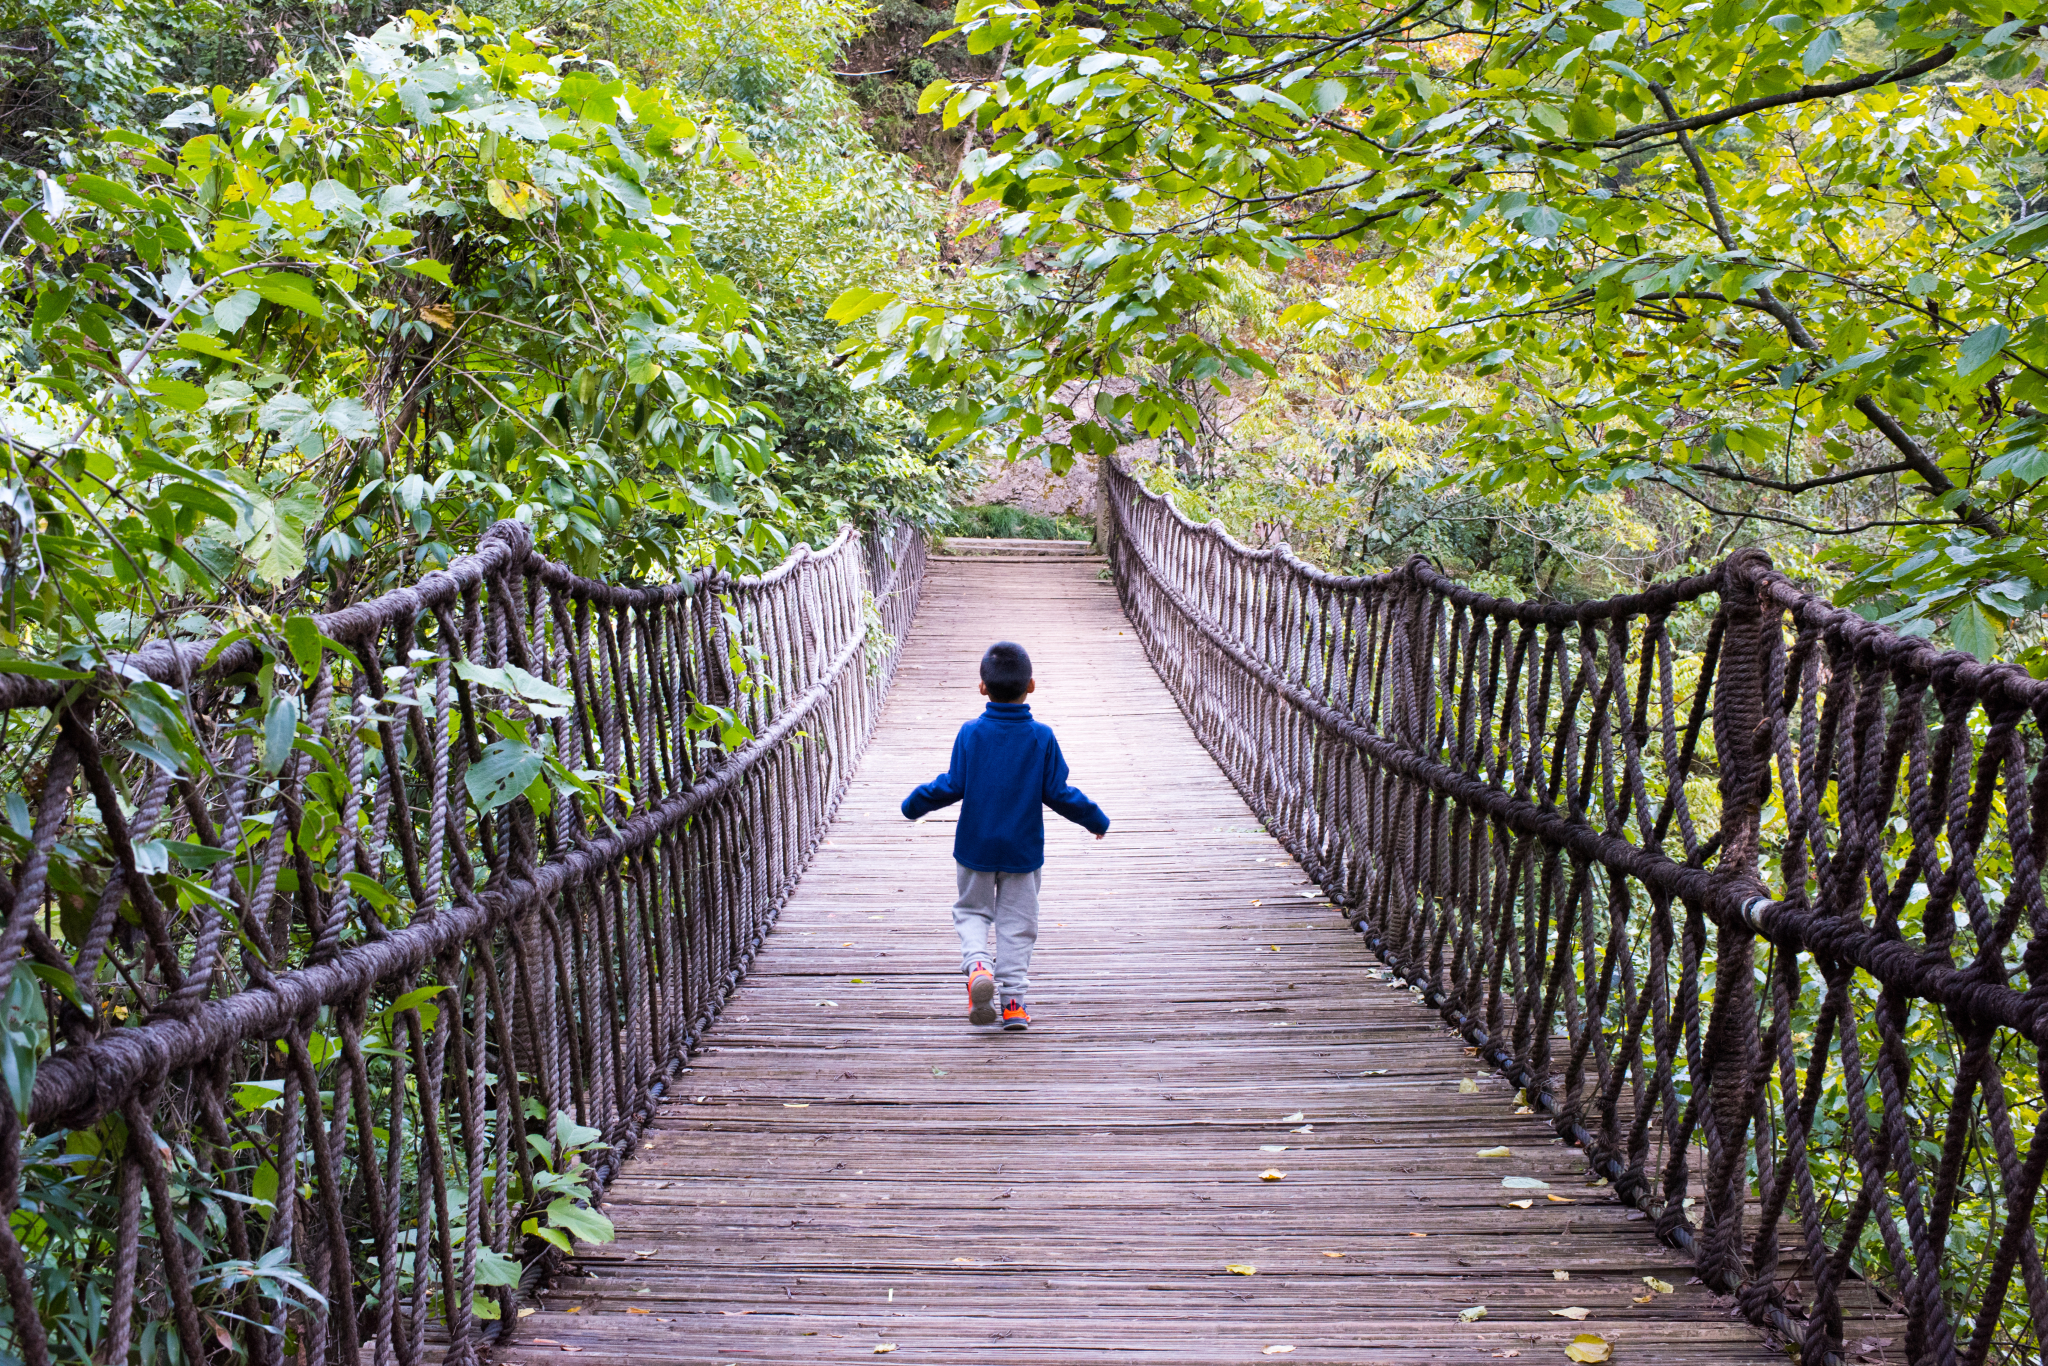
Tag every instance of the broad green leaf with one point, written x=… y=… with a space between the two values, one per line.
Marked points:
x=235 y=309
x=580 y=1222
x=506 y=770
x=1975 y=630
x=1980 y=349
x=293 y=291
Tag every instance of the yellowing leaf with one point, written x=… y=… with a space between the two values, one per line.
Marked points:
x=440 y=315
x=1468 y=1087
x=1589 y=1347
x=1278 y=1349
x=796 y=1105
x=514 y=198
x=1472 y=1315
x=1494 y=1152
x=1560 y=1199
x=1661 y=1287
x=1242 y=1269
x=1560 y=1275
x=1520 y=1204
x=635 y=1309
x=882 y=1347
x=1272 y=1174
x=1574 y=1313
x=1333 y=1254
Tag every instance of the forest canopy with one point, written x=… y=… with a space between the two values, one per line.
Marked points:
x=1664 y=278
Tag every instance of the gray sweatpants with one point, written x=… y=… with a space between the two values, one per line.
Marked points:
x=1006 y=903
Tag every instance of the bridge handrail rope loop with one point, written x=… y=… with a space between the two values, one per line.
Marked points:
x=364 y=1005
x=1715 y=990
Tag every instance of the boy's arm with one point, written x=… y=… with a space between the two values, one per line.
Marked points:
x=943 y=790
x=1068 y=800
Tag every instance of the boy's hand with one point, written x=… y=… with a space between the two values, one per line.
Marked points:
x=1103 y=836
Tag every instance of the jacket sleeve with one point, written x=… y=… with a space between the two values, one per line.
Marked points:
x=1068 y=800
x=943 y=790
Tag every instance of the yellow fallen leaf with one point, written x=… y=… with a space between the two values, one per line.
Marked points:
x=1333 y=1254
x=1560 y=1275
x=528 y=1312
x=1560 y=1200
x=796 y=1105
x=1242 y=1269
x=882 y=1347
x=1472 y=1315
x=1574 y=1313
x=1520 y=1204
x=1418 y=1235
x=635 y=1309
x=644 y=1252
x=1494 y=1152
x=1272 y=1174
x=1645 y=1298
x=1589 y=1347
x=1468 y=1087
x=1661 y=1287
x=964 y=1261
x=575 y=1309
x=1278 y=1349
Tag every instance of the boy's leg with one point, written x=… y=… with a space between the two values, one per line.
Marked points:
x=973 y=913
x=1016 y=925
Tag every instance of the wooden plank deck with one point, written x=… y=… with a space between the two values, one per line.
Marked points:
x=851 y=1165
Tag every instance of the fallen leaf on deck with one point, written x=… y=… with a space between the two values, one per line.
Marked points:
x=729 y=1313
x=1510 y=1352
x=856 y=981
x=1295 y=1118
x=1304 y=1129
x=1661 y=1287
x=644 y=1252
x=1472 y=1315
x=1494 y=1152
x=1589 y=1347
x=833 y=1004
x=1272 y=1174
x=938 y=1071
x=1468 y=1087
x=1560 y=1200
x=1524 y=1183
x=528 y=1311
x=882 y=1347
x=1272 y=1147
x=575 y=1309
x=1574 y=1313
x=1278 y=1349
x=1333 y=1254
x=1520 y=1204
x=636 y=1309
x=1645 y=1298
x=1560 y=1275
x=1242 y=1269
x=1418 y=1235
x=796 y=1105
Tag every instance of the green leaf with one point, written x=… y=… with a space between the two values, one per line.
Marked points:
x=208 y=346
x=293 y=291
x=856 y=303
x=280 y=729
x=35 y=668
x=302 y=637
x=176 y=393
x=433 y=270
x=1975 y=630
x=370 y=890
x=235 y=309
x=1980 y=349
x=580 y=1222
x=543 y=697
x=505 y=771
x=1330 y=95
x=1825 y=47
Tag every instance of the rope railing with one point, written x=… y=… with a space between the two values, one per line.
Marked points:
x=1743 y=891
x=369 y=947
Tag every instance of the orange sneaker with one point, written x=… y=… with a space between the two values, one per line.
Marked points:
x=1015 y=1016
x=981 y=995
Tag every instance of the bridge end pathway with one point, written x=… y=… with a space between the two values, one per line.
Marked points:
x=1229 y=1137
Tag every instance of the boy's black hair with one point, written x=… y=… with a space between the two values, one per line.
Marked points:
x=1006 y=669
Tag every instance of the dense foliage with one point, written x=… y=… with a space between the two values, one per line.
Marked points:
x=1771 y=257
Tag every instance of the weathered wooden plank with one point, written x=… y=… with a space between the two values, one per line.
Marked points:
x=849 y=1164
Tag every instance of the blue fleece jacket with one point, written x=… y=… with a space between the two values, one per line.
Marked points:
x=1006 y=768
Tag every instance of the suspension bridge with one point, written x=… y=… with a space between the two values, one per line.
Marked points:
x=1643 y=980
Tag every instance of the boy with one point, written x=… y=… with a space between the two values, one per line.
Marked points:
x=1006 y=767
